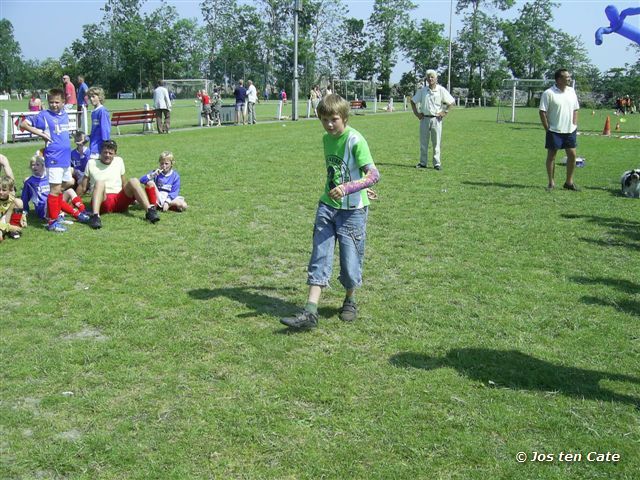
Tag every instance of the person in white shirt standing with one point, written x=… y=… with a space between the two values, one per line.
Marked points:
x=559 y=116
x=431 y=104
x=162 y=105
x=252 y=98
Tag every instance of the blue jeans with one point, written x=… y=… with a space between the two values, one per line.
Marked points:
x=349 y=227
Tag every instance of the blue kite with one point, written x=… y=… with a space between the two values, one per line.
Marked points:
x=618 y=25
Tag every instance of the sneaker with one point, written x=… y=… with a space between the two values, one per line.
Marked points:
x=304 y=319
x=83 y=217
x=349 y=311
x=56 y=226
x=420 y=165
x=572 y=186
x=14 y=234
x=95 y=222
x=437 y=167
x=62 y=220
x=152 y=215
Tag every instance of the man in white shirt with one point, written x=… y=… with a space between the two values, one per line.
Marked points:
x=559 y=116
x=162 y=105
x=252 y=98
x=431 y=104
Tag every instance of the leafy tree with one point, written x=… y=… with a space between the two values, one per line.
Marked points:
x=528 y=41
x=386 y=21
x=10 y=57
x=424 y=45
x=218 y=20
x=477 y=39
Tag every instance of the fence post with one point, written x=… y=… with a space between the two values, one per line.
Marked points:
x=375 y=104
x=147 y=125
x=279 y=112
x=5 y=126
x=309 y=108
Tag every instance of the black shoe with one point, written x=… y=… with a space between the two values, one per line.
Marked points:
x=95 y=222
x=14 y=234
x=152 y=215
x=304 y=319
x=349 y=311
x=421 y=166
x=572 y=186
x=437 y=167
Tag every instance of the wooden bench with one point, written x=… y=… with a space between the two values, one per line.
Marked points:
x=131 y=117
x=358 y=105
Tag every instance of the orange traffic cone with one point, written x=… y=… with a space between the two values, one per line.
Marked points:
x=618 y=126
x=607 y=127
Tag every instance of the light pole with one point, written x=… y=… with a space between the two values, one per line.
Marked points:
x=449 y=70
x=297 y=8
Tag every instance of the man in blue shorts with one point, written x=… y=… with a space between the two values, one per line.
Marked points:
x=241 y=94
x=559 y=116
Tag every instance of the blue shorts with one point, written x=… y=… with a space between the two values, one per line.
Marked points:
x=349 y=227
x=239 y=106
x=560 y=141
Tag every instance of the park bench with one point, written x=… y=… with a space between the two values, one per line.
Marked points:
x=131 y=117
x=358 y=104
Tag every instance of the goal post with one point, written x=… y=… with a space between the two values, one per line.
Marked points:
x=355 y=89
x=519 y=92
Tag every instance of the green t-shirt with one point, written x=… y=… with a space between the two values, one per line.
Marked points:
x=345 y=156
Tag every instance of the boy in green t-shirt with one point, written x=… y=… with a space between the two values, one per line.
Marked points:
x=342 y=212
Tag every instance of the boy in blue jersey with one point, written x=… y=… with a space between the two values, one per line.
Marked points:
x=52 y=126
x=163 y=185
x=35 y=189
x=100 y=121
x=342 y=212
x=79 y=156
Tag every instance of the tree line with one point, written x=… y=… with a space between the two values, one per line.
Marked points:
x=130 y=49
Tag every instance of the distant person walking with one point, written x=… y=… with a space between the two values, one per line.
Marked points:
x=240 y=93
x=83 y=99
x=162 y=105
x=431 y=104
x=70 y=100
x=559 y=116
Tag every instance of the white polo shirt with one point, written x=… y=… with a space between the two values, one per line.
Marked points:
x=560 y=106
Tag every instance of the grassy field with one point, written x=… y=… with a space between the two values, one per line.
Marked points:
x=495 y=318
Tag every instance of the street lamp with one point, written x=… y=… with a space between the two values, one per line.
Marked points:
x=297 y=9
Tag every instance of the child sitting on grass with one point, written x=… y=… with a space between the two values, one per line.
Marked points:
x=79 y=156
x=163 y=185
x=35 y=190
x=10 y=215
x=341 y=214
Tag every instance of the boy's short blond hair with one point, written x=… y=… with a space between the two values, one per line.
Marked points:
x=7 y=183
x=334 y=104
x=167 y=155
x=96 y=91
x=36 y=159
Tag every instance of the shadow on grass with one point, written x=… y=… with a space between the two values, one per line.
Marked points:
x=252 y=297
x=259 y=302
x=401 y=165
x=618 y=227
x=516 y=370
x=623 y=285
x=500 y=185
x=625 y=306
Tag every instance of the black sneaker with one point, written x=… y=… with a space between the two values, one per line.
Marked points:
x=152 y=215
x=437 y=167
x=420 y=165
x=571 y=186
x=14 y=234
x=349 y=311
x=304 y=319
x=95 y=222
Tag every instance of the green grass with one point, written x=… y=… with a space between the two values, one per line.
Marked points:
x=495 y=317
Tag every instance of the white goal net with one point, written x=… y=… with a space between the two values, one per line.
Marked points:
x=519 y=92
x=188 y=87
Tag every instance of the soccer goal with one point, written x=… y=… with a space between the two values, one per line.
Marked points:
x=355 y=89
x=188 y=87
x=519 y=92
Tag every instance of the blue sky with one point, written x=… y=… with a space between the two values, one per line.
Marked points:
x=575 y=17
